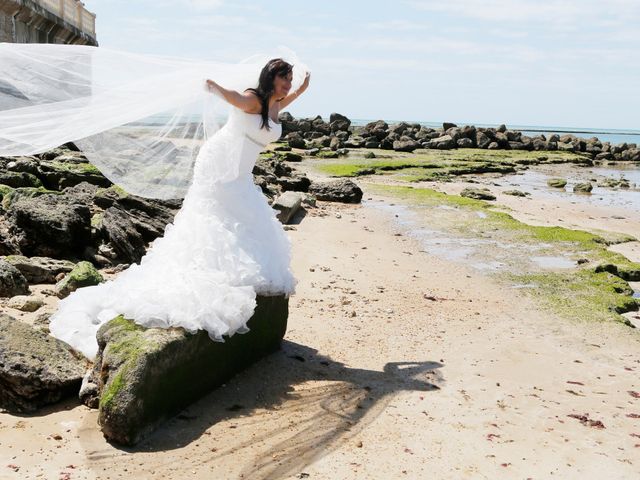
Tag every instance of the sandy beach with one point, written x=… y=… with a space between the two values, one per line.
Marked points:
x=396 y=364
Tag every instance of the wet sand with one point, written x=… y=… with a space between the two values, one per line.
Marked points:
x=396 y=364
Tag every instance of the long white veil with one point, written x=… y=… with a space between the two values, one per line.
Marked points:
x=140 y=119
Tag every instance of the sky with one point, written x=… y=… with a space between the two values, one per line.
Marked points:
x=565 y=63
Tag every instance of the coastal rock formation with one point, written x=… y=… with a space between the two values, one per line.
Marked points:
x=478 y=193
x=288 y=205
x=40 y=269
x=57 y=207
x=342 y=190
x=143 y=376
x=12 y=282
x=35 y=368
x=315 y=133
x=84 y=274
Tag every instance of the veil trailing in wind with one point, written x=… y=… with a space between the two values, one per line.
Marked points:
x=140 y=119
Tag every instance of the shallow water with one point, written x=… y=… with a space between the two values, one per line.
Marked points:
x=535 y=181
x=435 y=229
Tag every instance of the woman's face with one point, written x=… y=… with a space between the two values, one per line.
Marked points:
x=282 y=85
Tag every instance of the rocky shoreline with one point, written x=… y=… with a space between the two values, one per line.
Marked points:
x=317 y=135
x=63 y=225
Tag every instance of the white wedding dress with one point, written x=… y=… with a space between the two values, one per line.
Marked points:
x=224 y=246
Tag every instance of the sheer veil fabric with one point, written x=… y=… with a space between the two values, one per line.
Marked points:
x=139 y=118
x=148 y=123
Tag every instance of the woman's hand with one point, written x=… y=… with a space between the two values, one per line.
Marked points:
x=211 y=86
x=305 y=83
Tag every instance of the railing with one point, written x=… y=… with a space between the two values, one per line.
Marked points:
x=73 y=12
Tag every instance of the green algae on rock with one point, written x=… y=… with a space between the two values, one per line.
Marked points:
x=594 y=288
x=146 y=375
x=83 y=275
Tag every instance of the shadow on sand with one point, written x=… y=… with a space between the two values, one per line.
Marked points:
x=303 y=405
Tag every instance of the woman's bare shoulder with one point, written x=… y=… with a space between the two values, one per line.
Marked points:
x=253 y=101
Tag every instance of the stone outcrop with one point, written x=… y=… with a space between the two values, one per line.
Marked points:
x=35 y=368
x=287 y=205
x=342 y=190
x=12 y=282
x=84 y=274
x=40 y=269
x=338 y=133
x=143 y=376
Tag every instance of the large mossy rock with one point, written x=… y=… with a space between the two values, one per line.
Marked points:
x=35 y=368
x=146 y=375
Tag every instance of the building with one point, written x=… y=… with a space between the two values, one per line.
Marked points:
x=47 y=21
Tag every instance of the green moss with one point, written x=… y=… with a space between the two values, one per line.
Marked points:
x=9 y=196
x=78 y=168
x=439 y=165
x=112 y=388
x=96 y=220
x=598 y=290
x=582 y=295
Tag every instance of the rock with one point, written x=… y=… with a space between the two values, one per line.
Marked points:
x=296 y=183
x=19 y=179
x=444 y=142
x=478 y=193
x=482 y=140
x=25 y=303
x=83 y=275
x=290 y=157
x=447 y=125
x=406 y=145
x=342 y=190
x=515 y=193
x=583 y=187
x=35 y=368
x=40 y=269
x=565 y=147
x=287 y=205
x=557 y=182
x=121 y=232
x=12 y=282
x=465 y=143
x=145 y=376
x=493 y=146
x=295 y=140
x=339 y=122
x=50 y=225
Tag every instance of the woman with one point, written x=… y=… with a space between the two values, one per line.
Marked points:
x=224 y=246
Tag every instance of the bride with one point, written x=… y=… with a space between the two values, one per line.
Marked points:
x=223 y=247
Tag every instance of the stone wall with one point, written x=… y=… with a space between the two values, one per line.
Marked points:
x=39 y=21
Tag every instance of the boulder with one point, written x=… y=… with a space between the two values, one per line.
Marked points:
x=287 y=205
x=26 y=303
x=83 y=275
x=465 y=143
x=342 y=190
x=557 y=182
x=516 y=193
x=12 y=282
x=146 y=375
x=50 y=225
x=478 y=193
x=403 y=145
x=585 y=187
x=444 y=142
x=40 y=269
x=35 y=368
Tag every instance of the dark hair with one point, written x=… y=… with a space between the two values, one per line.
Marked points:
x=275 y=67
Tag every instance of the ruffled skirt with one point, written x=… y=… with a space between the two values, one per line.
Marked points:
x=224 y=246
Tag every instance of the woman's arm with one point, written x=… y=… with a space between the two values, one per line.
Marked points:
x=292 y=96
x=246 y=101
